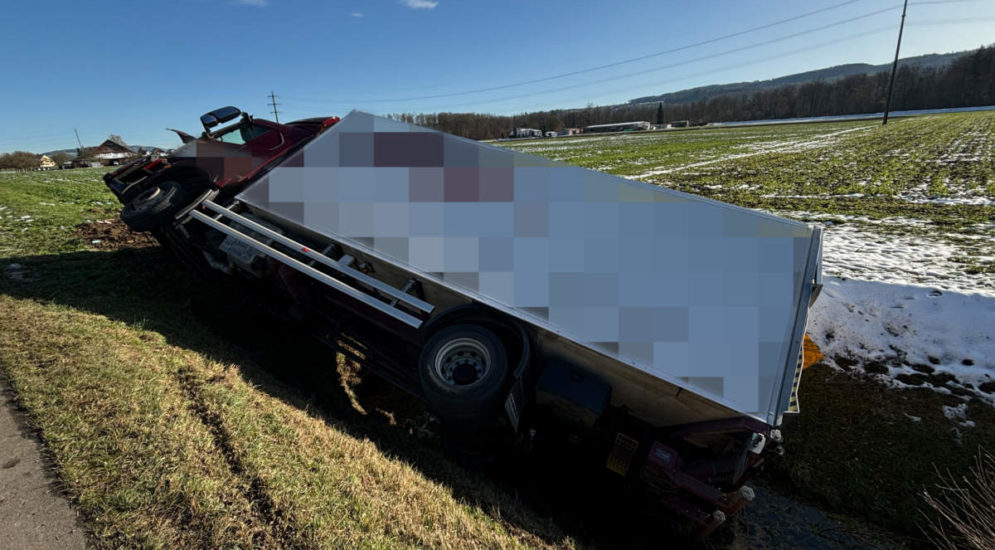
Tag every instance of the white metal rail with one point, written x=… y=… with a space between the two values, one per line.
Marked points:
x=302 y=267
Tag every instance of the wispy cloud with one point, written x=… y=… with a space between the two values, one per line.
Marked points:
x=356 y=14
x=420 y=4
x=257 y=3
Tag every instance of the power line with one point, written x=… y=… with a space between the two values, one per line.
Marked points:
x=607 y=65
x=835 y=41
x=797 y=51
x=686 y=62
x=643 y=57
x=949 y=21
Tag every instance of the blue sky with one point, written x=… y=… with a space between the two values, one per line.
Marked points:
x=132 y=67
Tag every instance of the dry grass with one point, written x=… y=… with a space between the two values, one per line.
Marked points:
x=163 y=447
x=167 y=437
x=964 y=508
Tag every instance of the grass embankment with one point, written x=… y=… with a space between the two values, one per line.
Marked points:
x=164 y=436
x=865 y=450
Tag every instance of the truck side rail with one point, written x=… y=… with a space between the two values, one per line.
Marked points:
x=397 y=295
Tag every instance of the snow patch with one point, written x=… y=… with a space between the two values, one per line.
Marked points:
x=911 y=336
x=958 y=414
x=850 y=252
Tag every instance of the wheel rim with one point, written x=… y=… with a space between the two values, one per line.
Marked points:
x=147 y=195
x=462 y=362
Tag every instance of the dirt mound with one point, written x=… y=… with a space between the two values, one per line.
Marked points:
x=110 y=235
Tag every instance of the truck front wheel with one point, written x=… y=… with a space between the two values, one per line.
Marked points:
x=462 y=370
x=155 y=206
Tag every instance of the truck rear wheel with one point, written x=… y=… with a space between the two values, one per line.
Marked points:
x=155 y=206
x=462 y=370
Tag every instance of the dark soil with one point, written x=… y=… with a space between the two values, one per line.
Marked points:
x=110 y=235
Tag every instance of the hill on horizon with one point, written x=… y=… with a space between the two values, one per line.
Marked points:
x=828 y=74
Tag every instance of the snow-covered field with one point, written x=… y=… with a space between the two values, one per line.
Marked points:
x=855 y=252
x=909 y=335
x=899 y=308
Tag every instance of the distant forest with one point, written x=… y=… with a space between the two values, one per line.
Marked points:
x=968 y=81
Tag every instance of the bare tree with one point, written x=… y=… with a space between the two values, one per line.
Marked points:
x=61 y=158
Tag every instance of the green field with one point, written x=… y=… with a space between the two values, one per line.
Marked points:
x=169 y=428
x=929 y=175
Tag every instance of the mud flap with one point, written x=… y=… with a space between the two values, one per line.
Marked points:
x=809 y=356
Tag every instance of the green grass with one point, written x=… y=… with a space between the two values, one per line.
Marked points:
x=858 y=449
x=924 y=169
x=165 y=435
x=930 y=157
x=38 y=210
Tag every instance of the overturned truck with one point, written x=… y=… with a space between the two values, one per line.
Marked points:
x=512 y=294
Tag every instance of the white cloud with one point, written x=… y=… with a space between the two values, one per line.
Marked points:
x=356 y=14
x=420 y=4
x=257 y=3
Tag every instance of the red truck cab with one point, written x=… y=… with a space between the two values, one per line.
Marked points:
x=226 y=159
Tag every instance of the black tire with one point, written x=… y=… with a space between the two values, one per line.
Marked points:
x=462 y=370
x=154 y=207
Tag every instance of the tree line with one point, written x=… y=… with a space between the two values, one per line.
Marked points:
x=23 y=160
x=968 y=81
x=19 y=160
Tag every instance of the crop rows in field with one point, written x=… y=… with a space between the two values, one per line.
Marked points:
x=634 y=155
x=936 y=174
x=929 y=159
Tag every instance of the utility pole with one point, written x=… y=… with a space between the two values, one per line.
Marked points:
x=272 y=98
x=80 y=143
x=894 y=66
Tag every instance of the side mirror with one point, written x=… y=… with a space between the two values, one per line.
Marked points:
x=209 y=121
x=219 y=116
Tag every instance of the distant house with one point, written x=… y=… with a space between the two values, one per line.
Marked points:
x=569 y=132
x=525 y=133
x=46 y=163
x=111 y=152
x=618 y=127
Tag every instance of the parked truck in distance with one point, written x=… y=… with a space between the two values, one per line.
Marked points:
x=518 y=297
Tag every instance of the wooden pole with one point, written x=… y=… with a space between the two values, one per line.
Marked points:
x=894 y=65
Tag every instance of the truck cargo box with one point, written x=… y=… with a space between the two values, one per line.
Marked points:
x=670 y=292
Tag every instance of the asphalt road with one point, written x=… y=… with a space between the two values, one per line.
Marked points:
x=33 y=513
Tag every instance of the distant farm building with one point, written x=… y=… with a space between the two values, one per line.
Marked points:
x=680 y=124
x=111 y=152
x=569 y=132
x=525 y=133
x=618 y=127
x=46 y=163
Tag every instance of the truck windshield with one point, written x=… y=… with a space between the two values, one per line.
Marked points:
x=242 y=133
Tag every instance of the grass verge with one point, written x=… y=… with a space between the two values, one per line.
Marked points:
x=165 y=436
x=864 y=449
